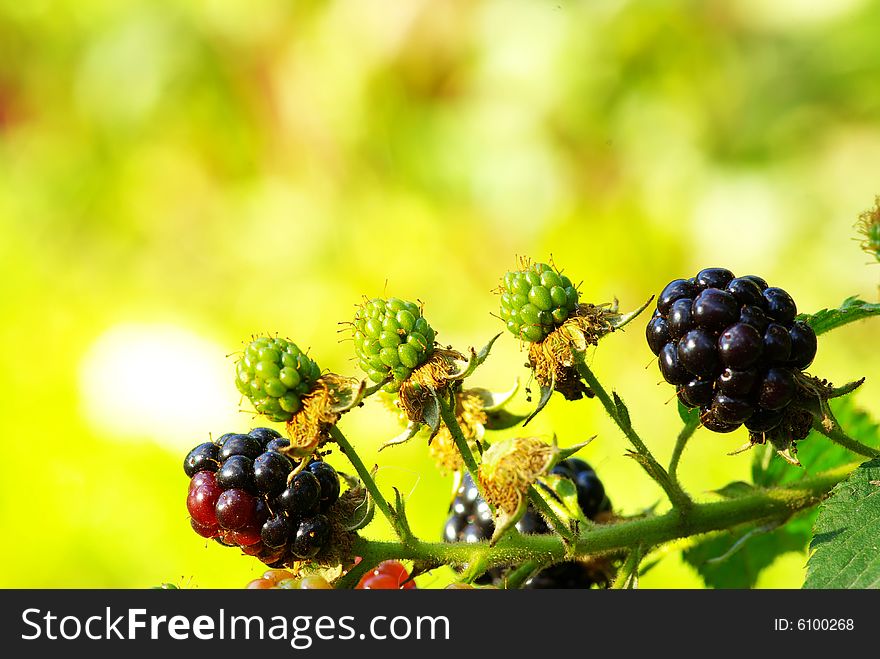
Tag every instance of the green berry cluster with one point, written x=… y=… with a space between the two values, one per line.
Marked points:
x=391 y=337
x=536 y=300
x=274 y=374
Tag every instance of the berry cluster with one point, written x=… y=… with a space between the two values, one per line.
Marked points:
x=391 y=337
x=275 y=374
x=536 y=300
x=470 y=520
x=241 y=494
x=732 y=347
x=388 y=575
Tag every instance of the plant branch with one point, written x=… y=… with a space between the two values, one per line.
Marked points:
x=550 y=515
x=645 y=458
x=762 y=507
x=837 y=435
x=686 y=433
x=447 y=413
x=629 y=572
x=367 y=479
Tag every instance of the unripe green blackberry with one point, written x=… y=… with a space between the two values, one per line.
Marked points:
x=536 y=300
x=275 y=374
x=391 y=337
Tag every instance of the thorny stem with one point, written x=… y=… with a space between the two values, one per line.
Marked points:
x=649 y=463
x=628 y=578
x=764 y=506
x=836 y=434
x=521 y=574
x=447 y=413
x=686 y=433
x=367 y=479
x=558 y=524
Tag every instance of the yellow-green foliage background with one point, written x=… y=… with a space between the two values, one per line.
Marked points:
x=176 y=176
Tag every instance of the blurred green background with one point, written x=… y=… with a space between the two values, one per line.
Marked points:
x=176 y=176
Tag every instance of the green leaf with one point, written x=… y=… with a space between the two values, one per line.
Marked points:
x=816 y=452
x=851 y=310
x=431 y=414
x=622 y=412
x=562 y=496
x=735 y=490
x=546 y=393
x=846 y=536
x=735 y=559
x=502 y=420
x=688 y=414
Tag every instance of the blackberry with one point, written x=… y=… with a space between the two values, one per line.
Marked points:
x=239 y=495
x=391 y=338
x=535 y=300
x=470 y=520
x=732 y=347
x=274 y=374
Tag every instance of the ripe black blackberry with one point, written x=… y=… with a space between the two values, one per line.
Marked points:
x=240 y=496
x=732 y=347
x=470 y=520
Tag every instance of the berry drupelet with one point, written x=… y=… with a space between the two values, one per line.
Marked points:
x=732 y=347
x=241 y=494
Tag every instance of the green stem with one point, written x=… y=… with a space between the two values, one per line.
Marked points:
x=367 y=479
x=629 y=571
x=550 y=515
x=838 y=436
x=448 y=416
x=521 y=574
x=649 y=463
x=686 y=433
x=762 y=507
